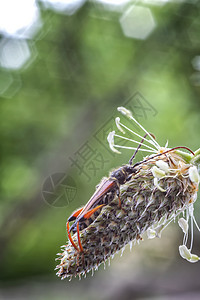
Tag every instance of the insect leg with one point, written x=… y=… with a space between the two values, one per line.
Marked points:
x=72 y=218
x=91 y=211
x=75 y=215
x=70 y=238
x=85 y=216
x=78 y=236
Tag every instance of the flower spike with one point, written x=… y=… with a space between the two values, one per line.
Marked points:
x=135 y=199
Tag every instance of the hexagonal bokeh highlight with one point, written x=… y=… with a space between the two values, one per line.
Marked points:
x=15 y=54
x=137 y=22
x=19 y=19
x=113 y=4
x=64 y=6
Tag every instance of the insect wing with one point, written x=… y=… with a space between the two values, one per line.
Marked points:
x=75 y=214
x=103 y=188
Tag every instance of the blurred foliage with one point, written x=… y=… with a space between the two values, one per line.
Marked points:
x=82 y=67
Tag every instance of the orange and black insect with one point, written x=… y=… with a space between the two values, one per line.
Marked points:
x=104 y=194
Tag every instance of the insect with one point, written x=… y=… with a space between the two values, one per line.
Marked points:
x=105 y=193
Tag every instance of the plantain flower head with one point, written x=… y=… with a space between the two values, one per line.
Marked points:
x=163 y=188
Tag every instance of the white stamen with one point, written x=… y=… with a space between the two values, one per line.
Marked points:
x=151 y=234
x=110 y=140
x=133 y=148
x=193 y=174
x=126 y=112
x=162 y=165
x=192 y=234
x=186 y=254
x=194 y=258
x=191 y=210
x=162 y=226
x=131 y=245
x=122 y=251
x=134 y=141
x=118 y=124
x=183 y=224
x=157 y=173
x=195 y=222
x=143 y=138
x=185 y=238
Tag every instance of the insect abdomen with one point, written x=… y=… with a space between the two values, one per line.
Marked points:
x=106 y=199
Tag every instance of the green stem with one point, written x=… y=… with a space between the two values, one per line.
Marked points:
x=186 y=156
x=196 y=158
x=189 y=158
x=197 y=152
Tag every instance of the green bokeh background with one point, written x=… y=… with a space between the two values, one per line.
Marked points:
x=82 y=68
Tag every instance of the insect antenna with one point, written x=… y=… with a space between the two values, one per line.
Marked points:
x=165 y=152
x=138 y=147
